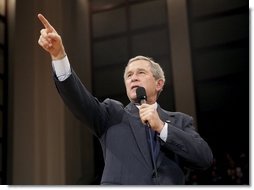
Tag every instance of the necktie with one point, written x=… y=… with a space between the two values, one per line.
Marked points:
x=154 y=149
x=153 y=142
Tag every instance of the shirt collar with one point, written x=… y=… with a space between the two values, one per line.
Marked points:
x=155 y=105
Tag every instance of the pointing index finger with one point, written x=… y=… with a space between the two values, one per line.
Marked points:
x=45 y=22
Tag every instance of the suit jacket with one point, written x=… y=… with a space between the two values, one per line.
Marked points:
x=124 y=143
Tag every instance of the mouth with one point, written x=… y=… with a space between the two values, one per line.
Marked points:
x=134 y=87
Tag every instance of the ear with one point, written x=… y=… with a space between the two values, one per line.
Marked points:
x=159 y=85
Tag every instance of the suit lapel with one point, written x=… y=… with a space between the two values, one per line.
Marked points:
x=139 y=132
x=165 y=116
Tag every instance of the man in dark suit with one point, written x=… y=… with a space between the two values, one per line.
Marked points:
x=142 y=144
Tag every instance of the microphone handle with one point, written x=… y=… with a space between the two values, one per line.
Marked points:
x=142 y=101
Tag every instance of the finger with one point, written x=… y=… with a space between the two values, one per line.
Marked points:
x=146 y=109
x=44 y=34
x=45 y=23
x=49 y=36
x=145 y=116
x=144 y=105
x=43 y=43
x=54 y=36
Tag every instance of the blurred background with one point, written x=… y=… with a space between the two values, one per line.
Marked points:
x=202 y=45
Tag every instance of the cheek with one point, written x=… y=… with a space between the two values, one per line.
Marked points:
x=127 y=86
x=151 y=88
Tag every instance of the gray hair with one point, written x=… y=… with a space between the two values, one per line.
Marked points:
x=156 y=69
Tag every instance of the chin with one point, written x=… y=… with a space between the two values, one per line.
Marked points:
x=133 y=98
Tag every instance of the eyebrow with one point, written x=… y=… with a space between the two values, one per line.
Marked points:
x=141 y=69
x=138 y=69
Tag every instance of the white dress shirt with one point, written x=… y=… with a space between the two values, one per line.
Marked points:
x=62 y=70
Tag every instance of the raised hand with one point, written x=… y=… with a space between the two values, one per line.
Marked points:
x=50 y=40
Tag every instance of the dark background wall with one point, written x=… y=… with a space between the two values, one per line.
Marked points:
x=219 y=33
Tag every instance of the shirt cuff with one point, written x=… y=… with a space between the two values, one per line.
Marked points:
x=62 y=68
x=164 y=132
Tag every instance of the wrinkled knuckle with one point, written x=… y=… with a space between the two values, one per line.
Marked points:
x=43 y=32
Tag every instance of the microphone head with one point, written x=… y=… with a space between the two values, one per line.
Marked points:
x=141 y=94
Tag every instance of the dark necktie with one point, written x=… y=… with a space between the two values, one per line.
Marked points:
x=155 y=142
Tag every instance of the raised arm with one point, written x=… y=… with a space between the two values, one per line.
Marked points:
x=50 y=40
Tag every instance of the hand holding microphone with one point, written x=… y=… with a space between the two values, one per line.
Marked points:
x=148 y=113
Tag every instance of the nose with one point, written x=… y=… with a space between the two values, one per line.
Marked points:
x=134 y=78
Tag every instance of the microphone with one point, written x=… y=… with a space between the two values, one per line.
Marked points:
x=141 y=95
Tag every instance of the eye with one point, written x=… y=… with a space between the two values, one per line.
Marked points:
x=129 y=75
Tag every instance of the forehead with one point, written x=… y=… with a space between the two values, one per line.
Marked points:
x=138 y=64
